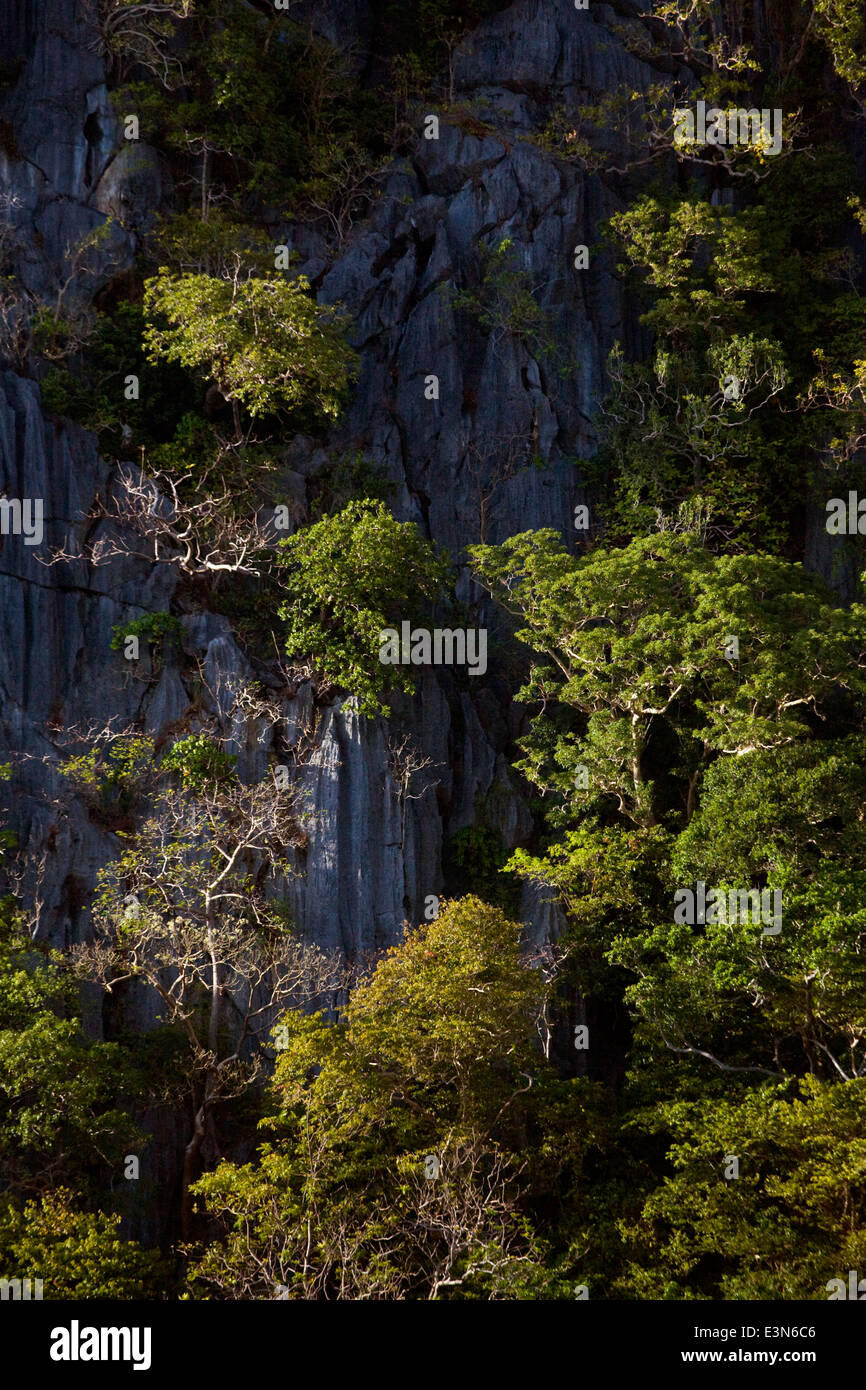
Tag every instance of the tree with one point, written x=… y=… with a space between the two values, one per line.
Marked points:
x=743 y=773
x=61 y=1093
x=443 y=25
x=185 y=911
x=190 y=514
x=790 y=1221
x=409 y=1135
x=268 y=116
x=636 y=642
x=840 y=24
x=703 y=39
x=348 y=577
x=141 y=33
x=77 y=1254
x=756 y=332
x=505 y=302
x=725 y=995
x=666 y=672
x=110 y=776
x=264 y=341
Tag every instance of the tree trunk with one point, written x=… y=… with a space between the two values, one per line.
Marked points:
x=205 y=161
x=190 y=1168
x=213 y=1022
x=637 y=744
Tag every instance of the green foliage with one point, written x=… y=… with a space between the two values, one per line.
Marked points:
x=91 y=388
x=347 y=478
x=348 y=577
x=686 y=453
x=635 y=638
x=842 y=25
x=221 y=246
x=60 y=1091
x=757 y=293
x=660 y=758
x=603 y=876
x=505 y=303
x=77 y=1254
x=790 y=820
x=151 y=627
x=672 y=430
x=794 y=1219
x=192 y=449
x=743 y=772
x=265 y=342
x=112 y=777
x=432 y=1058
x=199 y=762
x=802 y=802
x=429 y=31
x=265 y=107
x=477 y=857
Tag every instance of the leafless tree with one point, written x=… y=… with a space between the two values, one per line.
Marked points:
x=548 y=958
x=185 y=911
x=342 y=188
x=250 y=703
x=196 y=524
x=463 y=1223
x=138 y=33
x=406 y=762
x=492 y=462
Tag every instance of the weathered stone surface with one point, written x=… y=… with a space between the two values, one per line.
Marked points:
x=493 y=455
x=66 y=134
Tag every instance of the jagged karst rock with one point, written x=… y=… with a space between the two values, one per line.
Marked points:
x=494 y=453
x=370 y=861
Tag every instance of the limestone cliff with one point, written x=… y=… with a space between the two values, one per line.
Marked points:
x=66 y=168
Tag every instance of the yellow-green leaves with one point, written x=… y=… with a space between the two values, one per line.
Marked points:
x=263 y=340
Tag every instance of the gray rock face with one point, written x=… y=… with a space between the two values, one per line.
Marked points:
x=461 y=464
x=490 y=454
x=65 y=135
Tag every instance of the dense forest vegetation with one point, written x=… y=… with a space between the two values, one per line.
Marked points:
x=651 y=1106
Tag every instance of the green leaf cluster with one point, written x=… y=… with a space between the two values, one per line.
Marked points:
x=433 y=1059
x=347 y=578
